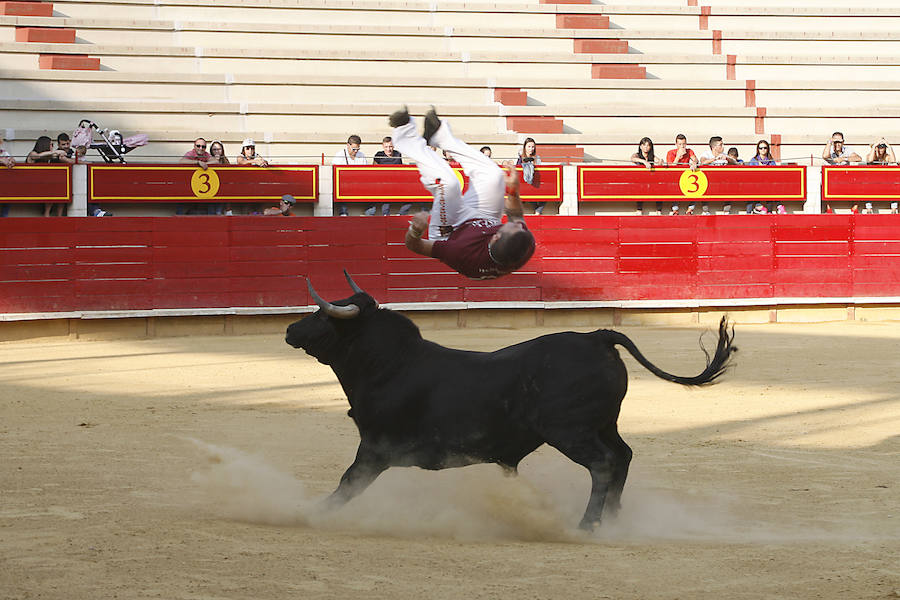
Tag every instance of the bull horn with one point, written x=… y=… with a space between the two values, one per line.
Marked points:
x=338 y=312
x=352 y=283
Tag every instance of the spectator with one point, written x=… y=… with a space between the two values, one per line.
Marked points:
x=64 y=143
x=218 y=157
x=645 y=154
x=200 y=157
x=716 y=156
x=528 y=158
x=388 y=156
x=217 y=154
x=284 y=207
x=43 y=152
x=763 y=157
x=647 y=157
x=248 y=155
x=197 y=155
x=880 y=153
x=681 y=154
x=9 y=162
x=486 y=150
x=733 y=153
x=836 y=153
x=349 y=155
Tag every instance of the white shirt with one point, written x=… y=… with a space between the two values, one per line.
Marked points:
x=843 y=156
x=343 y=158
x=708 y=155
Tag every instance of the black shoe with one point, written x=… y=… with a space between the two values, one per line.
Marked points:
x=432 y=124
x=401 y=117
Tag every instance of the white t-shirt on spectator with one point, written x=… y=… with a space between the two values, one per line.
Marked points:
x=708 y=155
x=343 y=158
x=844 y=155
x=4 y=153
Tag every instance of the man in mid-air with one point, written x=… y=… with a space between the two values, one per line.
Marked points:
x=466 y=232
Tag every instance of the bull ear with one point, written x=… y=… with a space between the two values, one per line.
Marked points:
x=338 y=312
x=356 y=289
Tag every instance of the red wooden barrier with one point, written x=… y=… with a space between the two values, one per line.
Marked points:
x=860 y=183
x=36 y=183
x=179 y=183
x=66 y=264
x=400 y=183
x=738 y=184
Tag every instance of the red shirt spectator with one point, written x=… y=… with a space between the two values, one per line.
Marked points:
x=198 y=154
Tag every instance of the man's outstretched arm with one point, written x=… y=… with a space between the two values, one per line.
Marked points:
x=514 y=209
x=417 y=227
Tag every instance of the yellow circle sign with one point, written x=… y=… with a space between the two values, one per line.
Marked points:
x=205 y=183
x=693 y=184
x=459 y=177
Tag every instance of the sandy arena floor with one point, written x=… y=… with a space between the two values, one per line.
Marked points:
x=191 y=468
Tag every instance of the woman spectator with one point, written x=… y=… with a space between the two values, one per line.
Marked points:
x=645 y=155
x=43 y=152
x=763 y=157
x=217 y=157
x=880 y=153
x=248 y=155
x=528 y=158
x=217 y=151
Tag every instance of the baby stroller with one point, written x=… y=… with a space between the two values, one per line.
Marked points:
x=113 y=148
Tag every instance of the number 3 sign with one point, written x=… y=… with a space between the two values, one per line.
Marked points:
x=205 y=183
x=693 y=184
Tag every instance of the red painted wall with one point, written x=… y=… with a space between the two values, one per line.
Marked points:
x=62 y=264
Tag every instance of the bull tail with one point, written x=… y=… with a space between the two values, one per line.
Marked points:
x=715 y=366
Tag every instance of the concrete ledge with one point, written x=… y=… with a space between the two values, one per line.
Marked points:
x=211 y=322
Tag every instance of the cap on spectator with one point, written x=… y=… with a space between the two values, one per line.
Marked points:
x=288 y=199
x=248 y=142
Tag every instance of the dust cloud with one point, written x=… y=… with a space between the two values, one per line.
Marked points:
x=476 y=503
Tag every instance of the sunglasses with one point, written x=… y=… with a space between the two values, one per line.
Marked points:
x=203 y=146
x=762 y=147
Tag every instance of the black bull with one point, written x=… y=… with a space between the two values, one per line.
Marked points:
x=417 y=403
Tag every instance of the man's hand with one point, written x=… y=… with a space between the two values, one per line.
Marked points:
x=419 y=223
x=511 y=177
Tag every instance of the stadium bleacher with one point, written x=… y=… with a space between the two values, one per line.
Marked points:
x=586 y=80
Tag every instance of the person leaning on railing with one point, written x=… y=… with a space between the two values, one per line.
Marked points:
x=646 y=156
x=763 y=158
x=880 y=153
x=9 y=162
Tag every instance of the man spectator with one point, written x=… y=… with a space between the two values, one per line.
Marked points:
x=681 y=154
x=197 y=155
x=716 y=155
x=349 y=155
x=388 y=156
x=836 y=153
x=284 y=207
x=486 y=150
x=9 y=162
x=64 y=144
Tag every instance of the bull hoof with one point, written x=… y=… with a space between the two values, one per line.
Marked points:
x=589 y=525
